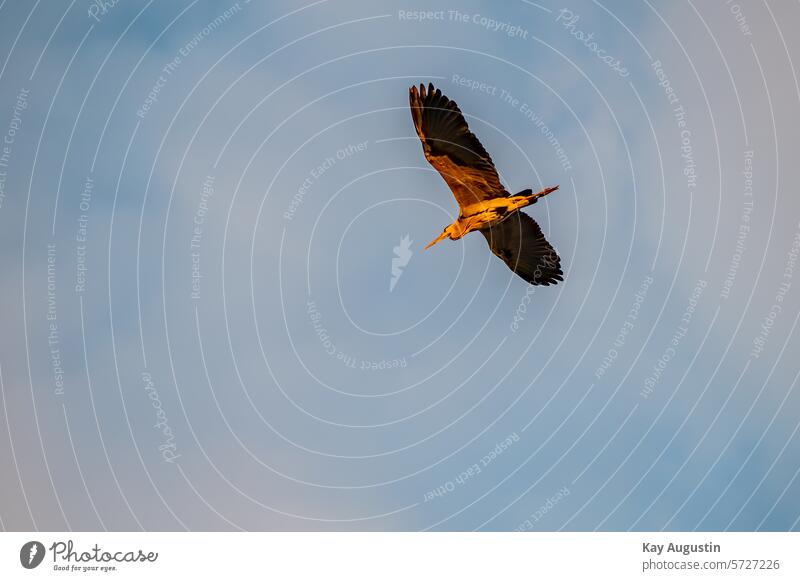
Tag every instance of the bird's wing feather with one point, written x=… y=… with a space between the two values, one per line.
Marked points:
x=452 y=149
x=518 y=241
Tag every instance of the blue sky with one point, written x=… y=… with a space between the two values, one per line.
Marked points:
x=290 y=388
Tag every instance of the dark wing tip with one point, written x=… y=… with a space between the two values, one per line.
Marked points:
x=518 y=241
x=544 y=272
x=448 y=142
x=446 y=130
x=422 y=91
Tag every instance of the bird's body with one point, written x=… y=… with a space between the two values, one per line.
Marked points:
x=485 y=205
x=489 y=213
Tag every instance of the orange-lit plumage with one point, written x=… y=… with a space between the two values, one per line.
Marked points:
x=485 y=205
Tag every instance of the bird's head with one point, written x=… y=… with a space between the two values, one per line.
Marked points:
x=453 y=232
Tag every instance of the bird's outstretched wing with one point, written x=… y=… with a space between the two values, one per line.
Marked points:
x=452 y=149
x=518 y=241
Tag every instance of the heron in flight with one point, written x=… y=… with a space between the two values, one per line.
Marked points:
x=485 y=205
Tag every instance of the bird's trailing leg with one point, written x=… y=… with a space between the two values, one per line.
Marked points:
x=526 y=198
x=533 y=198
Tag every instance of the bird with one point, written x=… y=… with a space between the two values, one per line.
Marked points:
x=484 y=204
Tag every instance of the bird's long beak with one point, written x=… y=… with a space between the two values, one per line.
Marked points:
x=441 y=236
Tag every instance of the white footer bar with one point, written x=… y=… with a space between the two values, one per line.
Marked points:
x=390 y=556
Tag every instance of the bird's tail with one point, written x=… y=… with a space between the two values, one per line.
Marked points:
x=531 y=197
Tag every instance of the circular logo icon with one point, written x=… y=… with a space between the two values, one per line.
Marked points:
x=31 y=554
